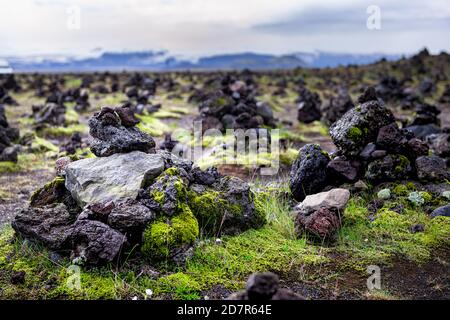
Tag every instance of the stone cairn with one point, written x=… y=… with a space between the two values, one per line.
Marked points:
x=8 y=152
x=231 y=104
x=370 y=146
x=133 y=195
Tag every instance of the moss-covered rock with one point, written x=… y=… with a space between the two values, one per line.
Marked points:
x=225 y=208
x=215 y=213
x=52 y=192
x=176 y=228
x=389 y=168
x=185 y=211
x=164 y=238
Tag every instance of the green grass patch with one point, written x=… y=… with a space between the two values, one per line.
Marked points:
x=389 y=234
x=153 y=126
x=64 y=131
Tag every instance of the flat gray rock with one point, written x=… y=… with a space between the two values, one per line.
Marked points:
x=335 y=198
x=114 y=178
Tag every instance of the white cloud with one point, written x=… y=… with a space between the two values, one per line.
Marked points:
x=210 y=26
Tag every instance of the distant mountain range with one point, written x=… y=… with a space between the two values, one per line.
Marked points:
x=162 y=61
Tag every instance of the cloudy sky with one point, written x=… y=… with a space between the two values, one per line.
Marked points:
x=203 y=27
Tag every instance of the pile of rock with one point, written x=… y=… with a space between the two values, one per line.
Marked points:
x=370 y=146
x=440 y=144
x=49 y=114
x=8 y=152
x=389 y=88
x=139 y=88
x=263 y=287
x=113 y=131
x=426 y=121
x=5 y=98
x=132 y=195
x=308 y=106
x=233 y=106
x=336 y=106
x=74 y=144
x=320 y=214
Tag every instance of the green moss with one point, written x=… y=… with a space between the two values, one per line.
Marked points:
x=325 y=153
x=210 y=207
x=355 y=134
x=403 y=163
x=401 y=190
x=168 y=233
x=153 y=126
x=73 y=83
x=173 y=171
x=288 y=156
x=158 y=196
x=161 y=237
x=411 y=186
x=185 y=225
x=426 y=196
x=64 y=131
x=43 y=145
x=273 y=247
x=389 y=234
x=8 y=167
x=71 y=116
x=179 y=286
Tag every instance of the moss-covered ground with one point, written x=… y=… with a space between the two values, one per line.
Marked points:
x=225 y=264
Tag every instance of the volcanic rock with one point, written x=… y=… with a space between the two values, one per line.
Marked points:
x=308 y=106
x=342 y=169
x=359 y=126
x=322 y=223
x=95 y=242
x=113 y=132
x=49 y=225
x=389 y=168
x=422 y=131
x=51 y=113
x=130 y=218
x=336 y=107
x=308 y=173
x=431 y=168
x=441 y=211
x=391 y=138
x=440 y=144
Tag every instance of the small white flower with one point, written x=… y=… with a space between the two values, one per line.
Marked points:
x=218 y=241
x=206 y=298
x=134 y=298
x=148 y=292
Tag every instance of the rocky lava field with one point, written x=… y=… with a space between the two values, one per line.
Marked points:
x=98 y=199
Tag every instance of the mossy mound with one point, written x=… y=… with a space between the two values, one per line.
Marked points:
x=186 y=211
